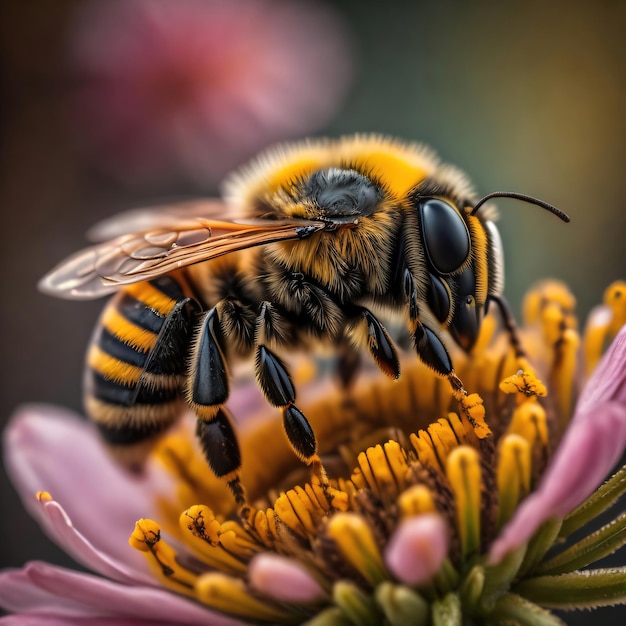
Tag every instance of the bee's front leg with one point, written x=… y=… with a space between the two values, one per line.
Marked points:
x=428 y=346
x=371 y=333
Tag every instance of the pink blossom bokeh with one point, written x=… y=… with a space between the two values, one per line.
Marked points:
x=186 y=90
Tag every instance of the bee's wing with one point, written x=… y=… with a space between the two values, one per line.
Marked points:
x=101 y=269
x=152 y=217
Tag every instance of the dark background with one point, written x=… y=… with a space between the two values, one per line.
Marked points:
x=525 y=96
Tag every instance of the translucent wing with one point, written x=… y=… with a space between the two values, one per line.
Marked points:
x=101 y=269
x=164 y=216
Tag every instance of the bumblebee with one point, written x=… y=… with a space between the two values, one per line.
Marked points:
x=311 y=243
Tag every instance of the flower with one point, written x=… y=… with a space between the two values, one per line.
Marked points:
x=191 y=88
x=428 y=508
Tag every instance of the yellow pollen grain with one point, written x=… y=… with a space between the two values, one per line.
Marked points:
x=524 y=382
x=463 y=471
x=474 y=409
x=146 y=534
x=513 y=475
x=146 y=538
x=200 y=521
x=43 y=496
x=340 y=498
x=416 y=500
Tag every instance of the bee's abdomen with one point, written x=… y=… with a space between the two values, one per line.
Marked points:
x=136 y=362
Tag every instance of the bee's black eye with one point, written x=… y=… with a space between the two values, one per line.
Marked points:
x=343 y=193
x=445 y=234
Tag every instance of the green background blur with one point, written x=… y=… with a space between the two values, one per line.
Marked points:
x=524 y=96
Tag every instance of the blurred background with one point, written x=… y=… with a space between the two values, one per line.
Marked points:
x=109 y=105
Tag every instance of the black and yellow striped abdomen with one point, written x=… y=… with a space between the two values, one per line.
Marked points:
x=136 y=361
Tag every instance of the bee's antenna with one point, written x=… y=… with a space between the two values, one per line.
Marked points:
x=524 y=198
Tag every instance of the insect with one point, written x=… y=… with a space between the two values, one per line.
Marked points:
x=309 y=240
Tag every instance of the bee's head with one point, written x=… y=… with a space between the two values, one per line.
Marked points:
x=339 y=195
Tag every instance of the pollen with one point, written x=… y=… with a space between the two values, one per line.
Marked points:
x=525 y=383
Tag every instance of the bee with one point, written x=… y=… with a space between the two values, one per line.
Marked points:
x=311 y=243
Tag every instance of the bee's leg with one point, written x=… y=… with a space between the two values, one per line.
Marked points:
x=509 y=323
x=433 y=353
x=207 y=391
x=277 y=387
x=428 y=346
x=378 y=341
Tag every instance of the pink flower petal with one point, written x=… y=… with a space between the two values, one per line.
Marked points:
x=608 y=381
x=417 y=549
x=590 y=448
x=34 y=619
x=44 y=589
x=283 y=579
x=59 y=527
x=47 y=449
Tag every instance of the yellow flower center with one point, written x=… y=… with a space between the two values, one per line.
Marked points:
x=392 y=451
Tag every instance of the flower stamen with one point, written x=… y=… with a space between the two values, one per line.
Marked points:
x=147 y=538
x=464 y=473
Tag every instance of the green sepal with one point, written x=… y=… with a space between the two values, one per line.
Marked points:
x=358 y=606
x=446 y=579
x=447 y=611
x=578 y=590
x=472 y=588
x=599 y=501
x=592 y=548
x=332 y=616
x=540 y=543
x=498 y=577
x=402 y=605
x=513 y=609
